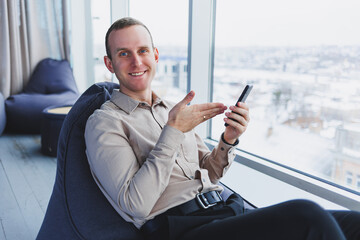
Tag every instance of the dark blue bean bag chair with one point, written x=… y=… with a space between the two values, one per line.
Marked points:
x=77 y=208
x=2 y=114
x=52 y=83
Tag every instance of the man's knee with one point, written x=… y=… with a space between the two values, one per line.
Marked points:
x=307 y=212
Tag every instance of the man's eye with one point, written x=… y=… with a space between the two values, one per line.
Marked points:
x=123 y=54
x=143 y=51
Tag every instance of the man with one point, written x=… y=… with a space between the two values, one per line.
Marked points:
x=159 y=175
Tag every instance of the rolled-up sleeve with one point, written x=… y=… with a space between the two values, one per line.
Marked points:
x=218 y=161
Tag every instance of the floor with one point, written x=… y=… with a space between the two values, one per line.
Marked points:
x=26 y=182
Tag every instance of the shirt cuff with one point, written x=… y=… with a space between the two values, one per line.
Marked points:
x=223 y=139
x=171 y=136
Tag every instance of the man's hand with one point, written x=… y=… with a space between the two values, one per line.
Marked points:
x=185 y=118
x=241 y=114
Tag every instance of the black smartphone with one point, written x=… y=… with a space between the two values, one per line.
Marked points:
x=245 y=93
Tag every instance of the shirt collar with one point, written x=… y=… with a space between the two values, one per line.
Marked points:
x=128 y=104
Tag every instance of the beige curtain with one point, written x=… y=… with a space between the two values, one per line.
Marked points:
x=30 y=30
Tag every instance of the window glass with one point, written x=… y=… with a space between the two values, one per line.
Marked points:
x=168 y=24
x=101 y=21
x=303 y=59
x=349 y=178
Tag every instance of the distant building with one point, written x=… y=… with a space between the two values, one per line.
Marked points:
x=172 y=72
x=347 y=155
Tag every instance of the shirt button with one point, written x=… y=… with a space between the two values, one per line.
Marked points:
x=192 y=177
x=222 y=149
x=203 y=180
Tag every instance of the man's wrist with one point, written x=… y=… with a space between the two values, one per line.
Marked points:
x=232 y=144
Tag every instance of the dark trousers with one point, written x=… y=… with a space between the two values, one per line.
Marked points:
x=297 y=219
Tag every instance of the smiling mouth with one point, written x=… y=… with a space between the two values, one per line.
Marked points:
x=137 y=73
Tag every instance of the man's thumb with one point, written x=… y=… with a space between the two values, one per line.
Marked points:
x=188 y=98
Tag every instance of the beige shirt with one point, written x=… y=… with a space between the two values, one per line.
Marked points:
x=143 y=166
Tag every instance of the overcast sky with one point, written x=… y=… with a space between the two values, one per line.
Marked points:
x=288 y=22
x=252 y=22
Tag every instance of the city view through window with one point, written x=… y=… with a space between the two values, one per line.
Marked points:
x=305 y=104
x=304 y=62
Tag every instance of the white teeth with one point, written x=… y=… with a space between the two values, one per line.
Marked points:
x=137 y=74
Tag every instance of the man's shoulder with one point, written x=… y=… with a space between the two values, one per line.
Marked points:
x=108 y=110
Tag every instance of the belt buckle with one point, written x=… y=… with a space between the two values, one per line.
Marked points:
x=202 y=200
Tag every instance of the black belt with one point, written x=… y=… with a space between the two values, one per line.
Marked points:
x=201 y=201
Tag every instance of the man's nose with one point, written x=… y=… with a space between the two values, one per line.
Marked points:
x=136 y=60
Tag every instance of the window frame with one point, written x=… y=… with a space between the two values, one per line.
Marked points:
x=201 y=54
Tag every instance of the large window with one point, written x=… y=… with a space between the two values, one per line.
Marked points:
x=168 y=24
x=303 y=59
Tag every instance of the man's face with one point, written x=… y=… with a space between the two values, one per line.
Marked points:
x=133 y=59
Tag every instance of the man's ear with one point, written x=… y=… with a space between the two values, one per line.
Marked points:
x=156 y=53
x=108 y=64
